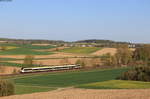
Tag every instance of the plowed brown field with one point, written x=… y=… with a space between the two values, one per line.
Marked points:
x=57 y=61
x=56 y=55
x=103 y=51
x=8 y=70
x=86 y=94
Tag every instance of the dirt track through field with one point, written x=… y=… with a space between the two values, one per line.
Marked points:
x=86 y=94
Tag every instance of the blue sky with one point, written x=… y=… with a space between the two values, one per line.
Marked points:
x=70 y=20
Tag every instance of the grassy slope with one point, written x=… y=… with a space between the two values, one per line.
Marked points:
x=92 y=79
x=15 y=59
x=50 y=81
x=116 y=84
x=10 y=47
x=14 y=64
x=81 y=50
x=9 y=59
x=25 y=49
x=28 y=46
x=69 y=78
x=23 y=89
x=11 y=64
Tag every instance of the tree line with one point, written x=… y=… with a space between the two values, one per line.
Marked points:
x=140 y=59
x=129 y=57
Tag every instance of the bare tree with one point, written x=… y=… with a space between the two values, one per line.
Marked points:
x=3 y=48
x=28 y=61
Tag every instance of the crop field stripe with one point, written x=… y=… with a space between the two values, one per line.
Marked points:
x=25 y=89
x=69 y=79
x=29 y=46
x=35 y=86
x=54 y=80
x=81 y=50
x=13 y=64
x=116 y=84
x=67 y=72
x=25 y=49
x=15 y=59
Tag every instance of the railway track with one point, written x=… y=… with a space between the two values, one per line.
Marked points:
x=56 y=71
x=40 y=72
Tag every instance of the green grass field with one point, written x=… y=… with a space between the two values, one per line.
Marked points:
x=28 y=46
x=25 y=49
x=24 y=89
x=9 y=59
x=91 y=79
x=11 y=64
x=15 y=64
x=50 y=81
x=81 y=50
x=10 y=47
x=15 y=59
x=116 y=84
x=69 y=78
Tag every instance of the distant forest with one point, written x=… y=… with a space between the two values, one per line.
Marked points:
x=94 y=42
x=31 y=41
x=100 y=41
x=59 y=41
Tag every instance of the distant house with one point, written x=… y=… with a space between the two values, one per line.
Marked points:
x=80 y=45
x=3 y=41
x=131 y=45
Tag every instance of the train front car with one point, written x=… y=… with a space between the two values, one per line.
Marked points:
x=26 y=70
